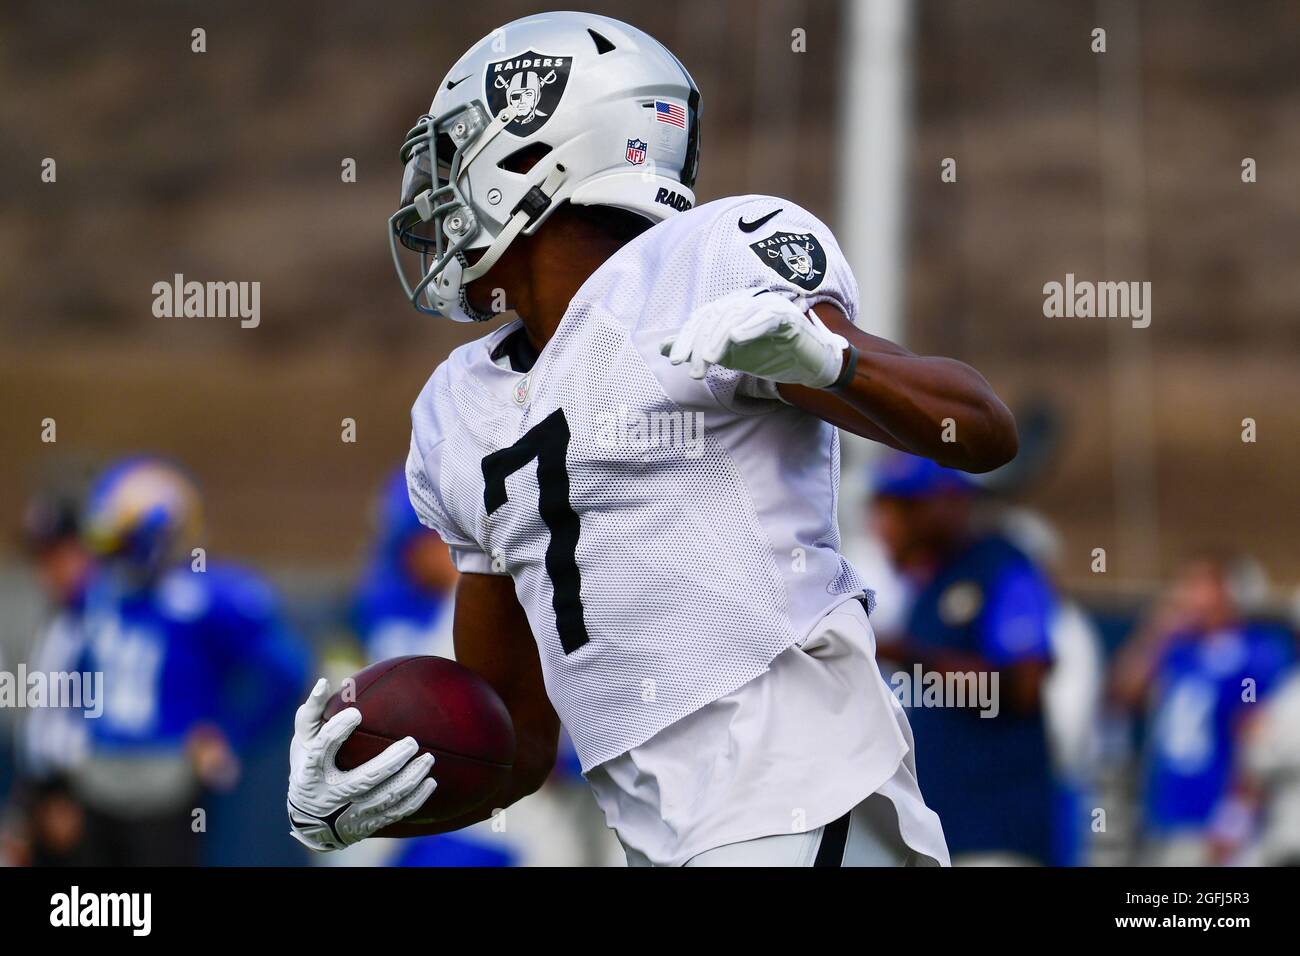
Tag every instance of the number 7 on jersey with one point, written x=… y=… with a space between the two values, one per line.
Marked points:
x=548 y=442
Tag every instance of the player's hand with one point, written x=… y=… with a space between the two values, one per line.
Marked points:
x=331 y=808
x=765 y=335
x=212 y=757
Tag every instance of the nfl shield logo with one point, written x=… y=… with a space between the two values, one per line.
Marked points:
x=636 y=151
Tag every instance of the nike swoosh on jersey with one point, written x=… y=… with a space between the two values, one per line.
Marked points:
x=757 y=223
x=452 y=84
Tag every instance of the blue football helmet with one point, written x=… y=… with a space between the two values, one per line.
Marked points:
x=143 y=510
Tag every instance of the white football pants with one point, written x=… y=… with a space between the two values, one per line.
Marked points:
x=868 y=835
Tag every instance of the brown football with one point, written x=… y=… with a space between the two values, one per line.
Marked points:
x=451 y=712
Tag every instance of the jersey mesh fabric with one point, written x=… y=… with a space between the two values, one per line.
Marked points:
x=698 y=258
x=684 y=591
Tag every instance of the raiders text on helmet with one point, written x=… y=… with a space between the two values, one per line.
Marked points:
x=551 y=108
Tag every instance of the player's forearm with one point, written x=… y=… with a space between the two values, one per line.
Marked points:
x=936 y=407
x=1022 y=681
x=1129 y=682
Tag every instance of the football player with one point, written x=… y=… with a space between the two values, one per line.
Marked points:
x=196 y=662
x=1196 y=668
x=637 y=477
x=979 y=606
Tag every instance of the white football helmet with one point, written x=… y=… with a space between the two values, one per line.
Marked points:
x=553 y=107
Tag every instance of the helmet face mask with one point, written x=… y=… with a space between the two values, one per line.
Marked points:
x=574 y=112
x=435 y=218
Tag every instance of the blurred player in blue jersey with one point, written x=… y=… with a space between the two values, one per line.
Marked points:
x=195 y=660
x=1073 y=693
x=404 y=602
x=977 y=606
x=1198 y=670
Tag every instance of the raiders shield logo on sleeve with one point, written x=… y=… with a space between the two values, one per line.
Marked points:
x=797 y=257
x=533 y=82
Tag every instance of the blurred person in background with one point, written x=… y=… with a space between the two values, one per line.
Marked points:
x=403 y=605
x=977 y=605
x=1072 y=691
x=1271 y=774
x=1197 y=669
x=195 y=658
x=47 y=821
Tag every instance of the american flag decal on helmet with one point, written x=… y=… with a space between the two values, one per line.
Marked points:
x=670 y=113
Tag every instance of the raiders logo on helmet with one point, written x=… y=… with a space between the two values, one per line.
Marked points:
x=533 y=82
x=796 y=257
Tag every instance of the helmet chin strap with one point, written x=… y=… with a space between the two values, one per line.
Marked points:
x=529 y=208
x=499 y=122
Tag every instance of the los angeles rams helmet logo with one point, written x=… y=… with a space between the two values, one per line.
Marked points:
x=533 y=83
x=797 y=257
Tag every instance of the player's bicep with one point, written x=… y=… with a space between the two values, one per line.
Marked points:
x=493 y=639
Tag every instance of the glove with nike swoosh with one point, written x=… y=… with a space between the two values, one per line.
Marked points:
x=763 y=334
x=331 y=808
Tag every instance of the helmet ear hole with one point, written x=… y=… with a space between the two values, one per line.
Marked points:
x=524 y=158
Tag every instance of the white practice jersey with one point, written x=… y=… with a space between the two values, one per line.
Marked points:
x=667 y=537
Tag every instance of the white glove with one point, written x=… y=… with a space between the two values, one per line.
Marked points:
x=765 y=335
x=331 y=808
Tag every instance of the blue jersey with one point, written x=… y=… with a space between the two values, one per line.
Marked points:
x=192 y=648
x=392 y=614
x=394 y=617
x=989 y=779
x=1202 y=690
